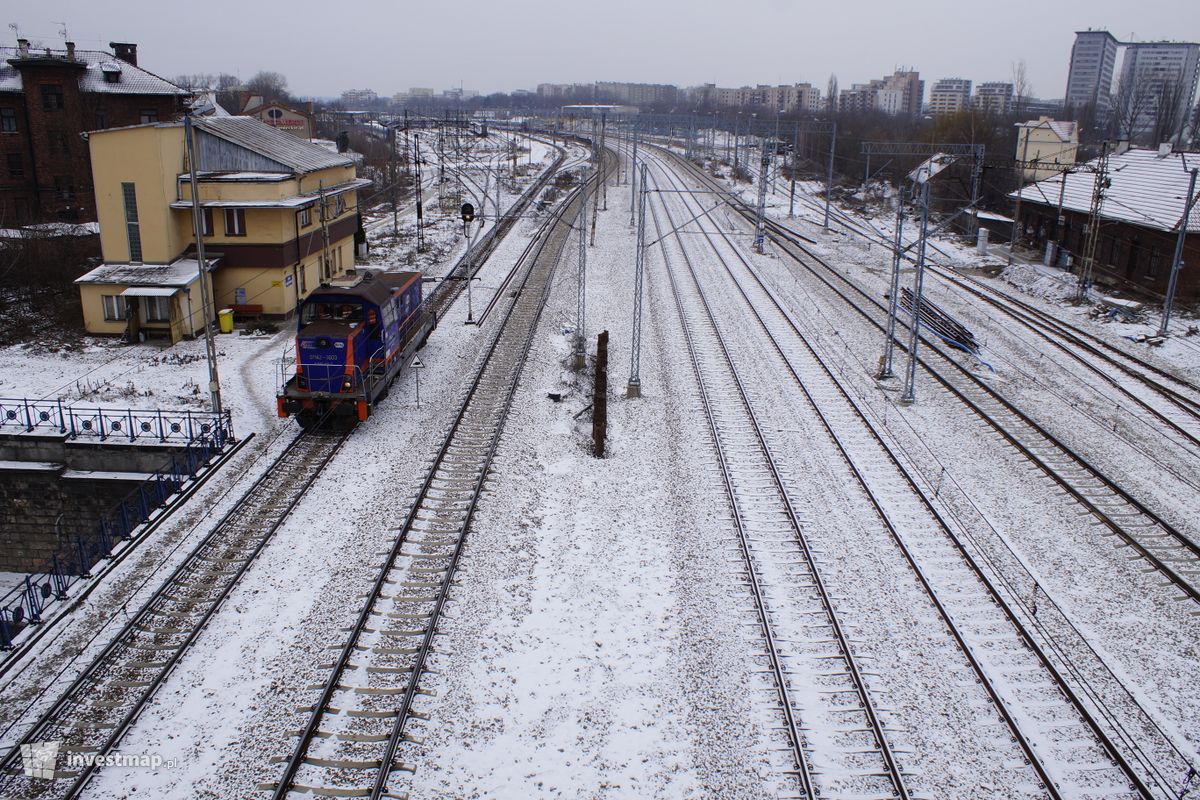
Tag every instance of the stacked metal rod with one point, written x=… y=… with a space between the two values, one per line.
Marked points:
x=941 y=323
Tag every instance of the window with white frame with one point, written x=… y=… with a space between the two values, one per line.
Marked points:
x=305 y=217
x=114 y=307
x=235 y=222
x=157 y=309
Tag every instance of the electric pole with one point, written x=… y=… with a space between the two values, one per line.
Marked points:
x=914 y=330
x=760 y=226
x=1177 y=261
x=206 y=294
x=1093 y=232
x=635 y=360
x=581 y=275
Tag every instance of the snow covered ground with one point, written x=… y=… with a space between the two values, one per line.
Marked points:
x=601 y=641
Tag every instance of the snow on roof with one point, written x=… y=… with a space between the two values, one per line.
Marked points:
x=1147 y=189
x=133 y=80
x=284 y=148
x=180 y=272
x=49 y=229
x=295 y=201
x=1063 y=129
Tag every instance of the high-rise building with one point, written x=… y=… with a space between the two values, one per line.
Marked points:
x=1154 y=73
x=995 y=97
x=899 y=93
x=1093 y=59
x=950 y=96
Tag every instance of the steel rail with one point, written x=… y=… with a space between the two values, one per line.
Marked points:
x=876 y=726
x=286 y=784
x=83 y=688
x=1179 y=540
x=1026 y=744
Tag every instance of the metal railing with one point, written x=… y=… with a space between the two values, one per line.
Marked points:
x=131 y=424
x=25 y=605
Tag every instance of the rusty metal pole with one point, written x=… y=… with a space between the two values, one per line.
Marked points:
x=600 y=397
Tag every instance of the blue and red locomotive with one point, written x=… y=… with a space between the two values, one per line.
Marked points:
x=354 y=337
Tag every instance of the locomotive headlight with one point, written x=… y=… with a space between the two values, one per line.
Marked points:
x=346 y=384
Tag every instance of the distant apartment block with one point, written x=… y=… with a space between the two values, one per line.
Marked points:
x=359 y=97
x=1093 y=60
x=783 y=99
x=995 y=97
x=564 y=90
x=637 y=94
x=1151 y=73
x=899 y=93
x=950 y=96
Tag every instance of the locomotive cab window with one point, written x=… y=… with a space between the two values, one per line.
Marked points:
x=332 y=311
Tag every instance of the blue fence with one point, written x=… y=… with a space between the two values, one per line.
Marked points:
x=130 y=424
x=25 y=604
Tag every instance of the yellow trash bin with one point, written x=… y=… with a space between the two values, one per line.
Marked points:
x=225 y=320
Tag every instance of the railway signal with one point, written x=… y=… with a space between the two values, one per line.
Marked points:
x=468 y=212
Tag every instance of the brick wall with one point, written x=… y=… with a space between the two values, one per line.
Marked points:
x=58 y=172
x=30 y=507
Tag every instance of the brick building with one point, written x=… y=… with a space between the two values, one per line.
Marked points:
x=1140 y=218
x=48 y=100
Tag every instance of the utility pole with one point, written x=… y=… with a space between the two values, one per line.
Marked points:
x=1089 y=253
x=420 y=195
x=829 y=174
x=600 y=166
x=214 y=380
x=914 y=329
x=633 y=180
x=395 y=177
x=1177 y=261
x=889 y=342
x=634 y=388
x=795 y=143
x=760 y=225
x=599 y=159
x=581 y=275
x=1012 y=240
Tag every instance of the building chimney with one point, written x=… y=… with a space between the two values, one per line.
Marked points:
x=1122 y=147
x=23 y=48
x=1164 y=150
x=70 y=51
x=125 y=51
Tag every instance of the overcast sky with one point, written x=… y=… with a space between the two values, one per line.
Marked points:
x=500 y=45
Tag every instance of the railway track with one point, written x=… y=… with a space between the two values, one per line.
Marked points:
x=1137 y=377
x=350 y=741
x=1170 y=551
x=477 y=255
x=1127 y=725
x=838 y=730
x=974 y=610
x=99 y=706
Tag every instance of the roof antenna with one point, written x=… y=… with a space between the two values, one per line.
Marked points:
x=61 y=31
x=12 y=26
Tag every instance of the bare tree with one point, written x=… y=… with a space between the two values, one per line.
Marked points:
x=1130 y=103
x=831 y=94
x=1022 y=89
x=1169 y=111
x=270 y=86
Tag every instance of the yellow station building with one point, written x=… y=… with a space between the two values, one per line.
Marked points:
x=279 y=217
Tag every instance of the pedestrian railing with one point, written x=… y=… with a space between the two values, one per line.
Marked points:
x=129 y=424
